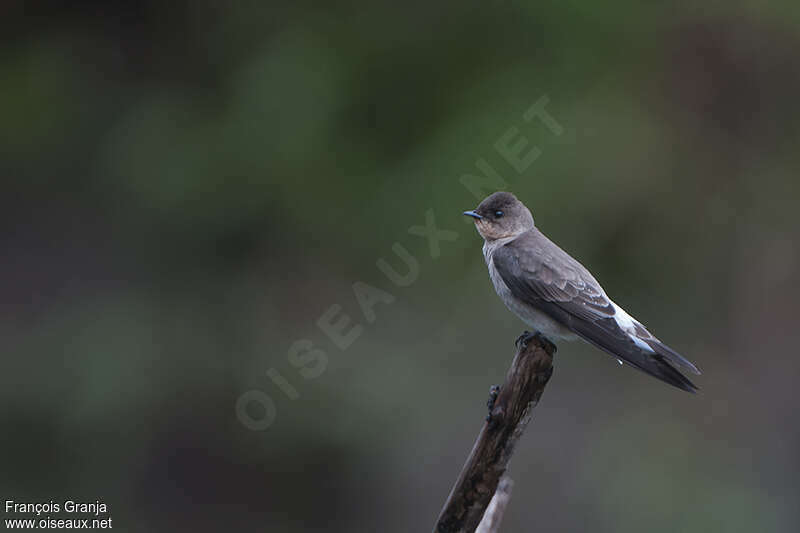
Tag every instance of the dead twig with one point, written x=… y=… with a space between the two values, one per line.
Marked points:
x=509 y=415
x=490 y=523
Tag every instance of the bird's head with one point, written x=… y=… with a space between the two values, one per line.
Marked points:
x=501 y=215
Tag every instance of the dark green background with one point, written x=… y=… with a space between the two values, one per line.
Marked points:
x=188 y=186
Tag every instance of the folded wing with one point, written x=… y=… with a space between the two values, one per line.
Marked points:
x=544 y=276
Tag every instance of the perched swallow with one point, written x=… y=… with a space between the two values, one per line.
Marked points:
x=556 y=296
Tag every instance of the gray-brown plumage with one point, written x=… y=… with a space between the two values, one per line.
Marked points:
x=554 y=294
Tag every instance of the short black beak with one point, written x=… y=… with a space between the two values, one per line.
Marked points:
x=473 y=214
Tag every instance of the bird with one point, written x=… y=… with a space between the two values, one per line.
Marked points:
x=558 y=297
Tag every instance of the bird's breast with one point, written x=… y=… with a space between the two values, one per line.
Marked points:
x=529 y=314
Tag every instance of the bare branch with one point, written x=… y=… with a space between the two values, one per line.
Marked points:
x=525 y=381
x=490 y=523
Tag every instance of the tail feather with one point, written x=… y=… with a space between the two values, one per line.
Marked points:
x=672 y=356
x=660 y=368
x=606 y=335
x=662 y=362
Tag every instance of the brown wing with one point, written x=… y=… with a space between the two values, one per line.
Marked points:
x=544 y=276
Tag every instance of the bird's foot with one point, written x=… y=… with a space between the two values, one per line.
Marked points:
x=547 y=343
x=522 y=340
x=494 y=391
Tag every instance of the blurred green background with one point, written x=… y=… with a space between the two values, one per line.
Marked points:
x=189 y=186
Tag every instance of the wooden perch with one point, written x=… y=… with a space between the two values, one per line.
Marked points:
x=476 y=484
x=490 y=523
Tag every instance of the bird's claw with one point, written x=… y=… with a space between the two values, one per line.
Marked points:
x=522 y=341
x=494 y=391
x=547 y=343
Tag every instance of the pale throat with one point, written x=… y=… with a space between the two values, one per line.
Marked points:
x=489 y=235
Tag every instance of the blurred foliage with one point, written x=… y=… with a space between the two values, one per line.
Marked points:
x=190 y=185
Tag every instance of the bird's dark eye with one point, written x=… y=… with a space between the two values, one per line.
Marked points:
x=498 y=214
